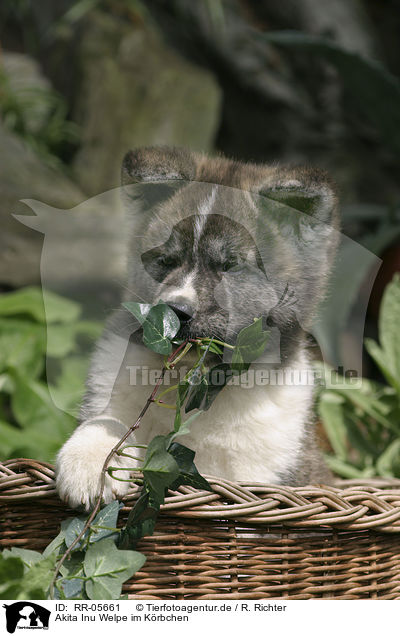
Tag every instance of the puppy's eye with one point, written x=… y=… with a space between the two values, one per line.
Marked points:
x=168 y=261
x=229 y=265
x=233 y=265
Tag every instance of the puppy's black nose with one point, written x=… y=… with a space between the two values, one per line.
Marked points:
x=184 y=312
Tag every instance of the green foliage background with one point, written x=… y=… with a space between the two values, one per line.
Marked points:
x=30 y=423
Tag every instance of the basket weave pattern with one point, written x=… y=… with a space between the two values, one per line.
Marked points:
x=242 y=541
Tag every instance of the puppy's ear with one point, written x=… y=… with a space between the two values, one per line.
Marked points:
x=299 y=219
x=308 y=191
x=151 y=175
x=158 y=163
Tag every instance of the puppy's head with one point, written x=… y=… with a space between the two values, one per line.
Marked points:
x=224 y=242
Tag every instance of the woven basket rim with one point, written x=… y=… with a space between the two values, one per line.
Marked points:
x=349 y=504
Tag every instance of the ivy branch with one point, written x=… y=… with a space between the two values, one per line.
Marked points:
x=168 y=464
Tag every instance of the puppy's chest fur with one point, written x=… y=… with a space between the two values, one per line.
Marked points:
x=250 y=434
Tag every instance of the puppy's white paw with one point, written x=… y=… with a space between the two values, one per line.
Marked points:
x=80 y=462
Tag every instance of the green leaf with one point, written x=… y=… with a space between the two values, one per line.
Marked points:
x=382 y=361
x=69 y=387
x=184 y=427
x=22 y=346
x=40 y=575
x=104 y=522
x=250 y=345
x=141 y=521
x=160 y=468
x=71 y=528
x=160 y=324
x=388 y=464
x=367 y=403
x=29 y=301
x=389 y=333
x=11 y=439
x=188 y=473
x=28 y=557
x=72 y=567
x=62 y=338
x=57 y=545
x=217 y=378
x=73 y=588
x=108 y=568
x=36 y=577
x=345 y=470
x=11 y=572
x=181 y=393
x=33 y=408
x=197 y=395
x=198 y=383
x=330 y=409
x=212 y=348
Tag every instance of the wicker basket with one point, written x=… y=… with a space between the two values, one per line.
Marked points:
x=242 y=541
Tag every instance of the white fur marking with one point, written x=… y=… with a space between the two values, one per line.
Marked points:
x=200 y=221
x=185 y=294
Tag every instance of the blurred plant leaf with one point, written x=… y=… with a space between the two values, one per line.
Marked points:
x=29 y=301
x=330 y=409
x=371 y=87
x=388 y=464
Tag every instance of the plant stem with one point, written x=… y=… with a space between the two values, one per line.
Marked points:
x=224 y=344
x=171 y=361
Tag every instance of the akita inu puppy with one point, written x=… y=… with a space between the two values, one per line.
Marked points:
x=221 y=242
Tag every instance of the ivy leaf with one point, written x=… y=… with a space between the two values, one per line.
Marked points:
x=216 y=378
x=104 y=521
x=72 y=588
x=160 y=468
x=188 y=473
x=71 y=529
x=141 y=521
x=72 y=567
x=250 y=345
x=57 y=545
x=197 y=395
x=159 y=322
x=108 y=568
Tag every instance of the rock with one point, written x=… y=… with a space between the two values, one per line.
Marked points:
x=24 y=175
x=136 y=91
x=77 y=263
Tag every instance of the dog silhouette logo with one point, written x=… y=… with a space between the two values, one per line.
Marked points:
x=26 y=615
